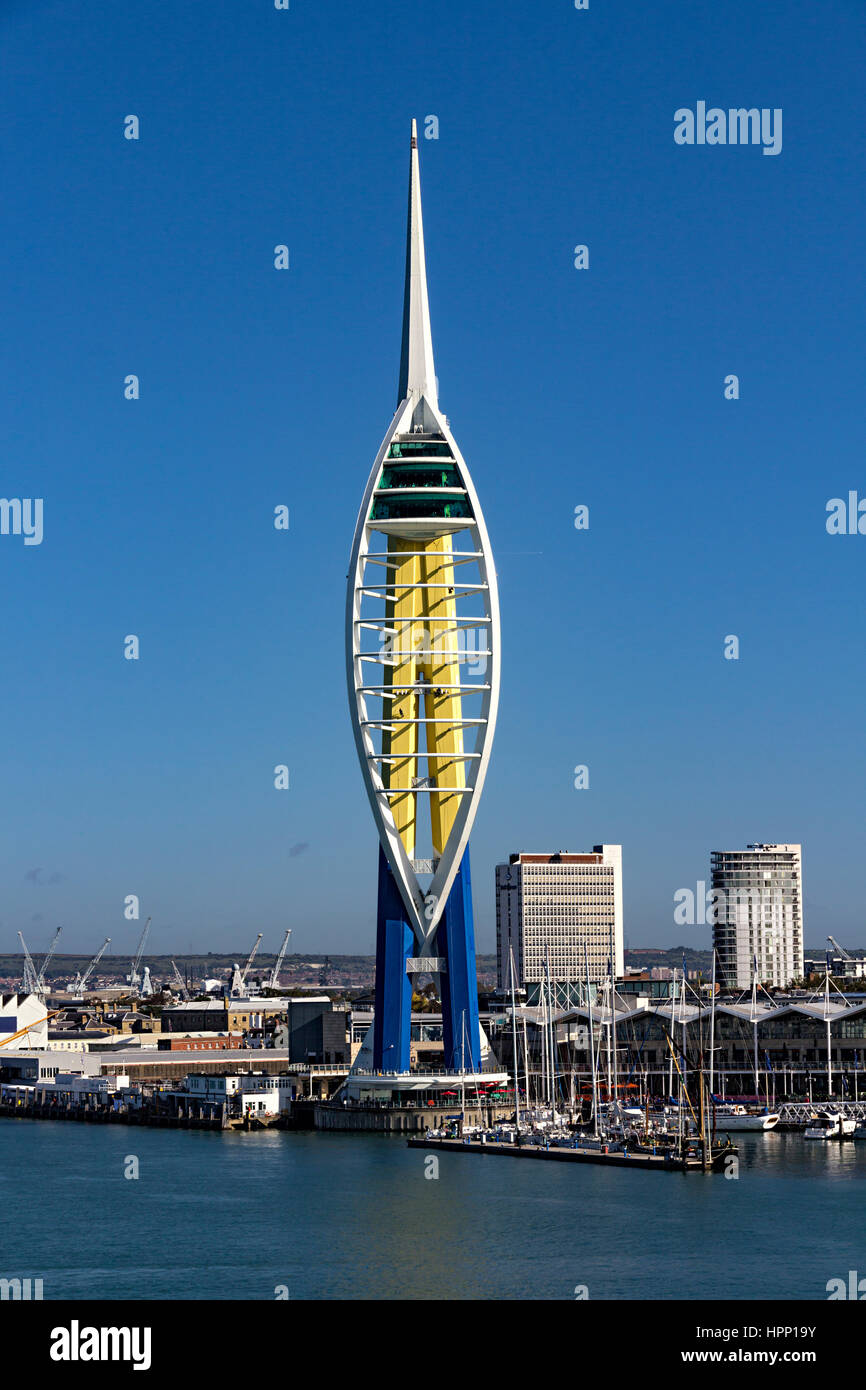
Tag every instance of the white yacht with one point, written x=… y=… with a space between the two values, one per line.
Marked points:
x=736 y=1117
x=832 y=1124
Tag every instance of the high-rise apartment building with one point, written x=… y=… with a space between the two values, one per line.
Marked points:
x=758 y=898
x=559 y=913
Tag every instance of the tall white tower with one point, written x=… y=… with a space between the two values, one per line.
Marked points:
x=422 y=663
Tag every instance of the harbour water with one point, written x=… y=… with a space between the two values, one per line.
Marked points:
x=343 y=1216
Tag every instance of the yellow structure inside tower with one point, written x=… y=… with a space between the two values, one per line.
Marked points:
x=426 y=643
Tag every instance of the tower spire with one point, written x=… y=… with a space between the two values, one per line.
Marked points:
x=417 y=373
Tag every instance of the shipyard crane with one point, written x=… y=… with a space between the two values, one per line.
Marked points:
x=40 y=978
x=846 y=955
x=252 y=957
x=29 y=978
x=182 y=989
x=134 y=977
x=81 y=980
x=274 y=981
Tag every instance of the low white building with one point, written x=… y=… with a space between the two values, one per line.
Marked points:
x=256 y=1094
x=67 y=1088
x=26 y=1064
x=75 y=1040
x=281 y=1088
x=213 y=1087
x=72 y=1086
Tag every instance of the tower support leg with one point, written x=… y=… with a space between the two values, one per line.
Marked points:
x=459 y=986
x=394 y=945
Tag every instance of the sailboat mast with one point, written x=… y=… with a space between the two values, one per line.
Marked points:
x=703 y=1119
x=463 y=1072
x=514 y=1043
x=613 y=1015
x=591 y=1046
x=609 y=1054
x=827 y=1017
x=683 y=1022
x=713 y=1043
x=542 y=1041
x=712 y=1023
x=670 y=1061
x=552 y=1072
x=755 y=1021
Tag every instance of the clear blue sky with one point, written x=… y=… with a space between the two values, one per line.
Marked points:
x=260 y=387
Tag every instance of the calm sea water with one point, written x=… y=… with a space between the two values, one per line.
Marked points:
x=335 y=1216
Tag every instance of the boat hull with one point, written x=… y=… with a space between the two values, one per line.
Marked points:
x=751 y=1123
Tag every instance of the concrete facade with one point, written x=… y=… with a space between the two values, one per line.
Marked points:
x=561 y=908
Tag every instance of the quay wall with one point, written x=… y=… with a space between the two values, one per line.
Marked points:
x=392 y=1119
x=104 y=1114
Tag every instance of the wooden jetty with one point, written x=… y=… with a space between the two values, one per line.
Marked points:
x=664 y=1159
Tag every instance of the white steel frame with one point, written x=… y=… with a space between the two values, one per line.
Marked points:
x=424 y=908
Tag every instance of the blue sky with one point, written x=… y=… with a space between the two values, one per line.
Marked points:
x=261 y=387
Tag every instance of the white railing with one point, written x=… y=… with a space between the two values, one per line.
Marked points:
x=799 y=1112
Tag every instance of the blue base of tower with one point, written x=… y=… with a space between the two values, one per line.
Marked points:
x=455 y=941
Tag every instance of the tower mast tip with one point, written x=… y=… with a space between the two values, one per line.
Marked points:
x=417 y=372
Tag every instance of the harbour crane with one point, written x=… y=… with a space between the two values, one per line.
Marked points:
x=274 y=981
x=846 y=955
x=81 y=980
x=40 y=978
x=29 y=978
x=181 y=982
x=252 y=957
x=34 y=980
x=134 y=977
